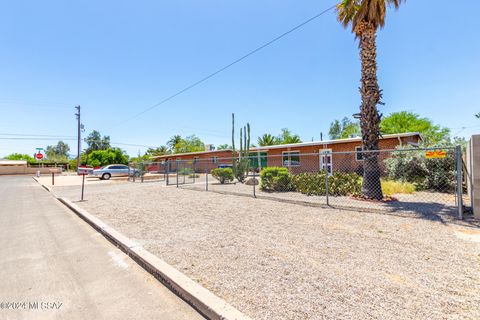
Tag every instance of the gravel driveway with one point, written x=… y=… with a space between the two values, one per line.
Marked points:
x=276 y=260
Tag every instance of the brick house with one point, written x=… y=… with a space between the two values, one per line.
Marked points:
x=333 y=155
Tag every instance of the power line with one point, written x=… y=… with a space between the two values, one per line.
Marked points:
x=229 y=65
x=35 y=135
x=132 y=145
x=25 y=138
x=49 y=138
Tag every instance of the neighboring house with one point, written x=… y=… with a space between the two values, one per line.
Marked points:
x=13 y=167
x=337 y=155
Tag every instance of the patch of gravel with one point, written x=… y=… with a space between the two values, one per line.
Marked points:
x=276 y=260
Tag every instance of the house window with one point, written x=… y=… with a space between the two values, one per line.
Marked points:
x=291 y=158
x=358 y=153
x=195 y=159
x=215 y=159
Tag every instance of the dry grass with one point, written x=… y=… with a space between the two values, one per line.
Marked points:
x=391 y=187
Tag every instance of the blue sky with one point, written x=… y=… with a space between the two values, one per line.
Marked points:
x=117 y=58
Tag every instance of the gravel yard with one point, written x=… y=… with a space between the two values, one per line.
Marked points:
x=276 y=260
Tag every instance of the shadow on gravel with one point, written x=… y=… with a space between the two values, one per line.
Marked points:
x=432 y=211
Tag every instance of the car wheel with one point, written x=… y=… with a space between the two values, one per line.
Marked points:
x=106 y=176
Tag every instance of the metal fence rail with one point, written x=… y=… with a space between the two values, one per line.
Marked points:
x=147 y=171
x=425 y=181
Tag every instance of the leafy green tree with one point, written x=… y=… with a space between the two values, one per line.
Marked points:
x=224 y=147
x=405 y=121
x=366 y=17
x=287 y=137
x=189 y=144
x=20 y=156
x=58 y=152
x=95 y=141
x=344 y=129
x=105 y=157
x=266 y=140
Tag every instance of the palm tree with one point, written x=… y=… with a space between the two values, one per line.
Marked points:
x=366 y=17
x=159 y=151
x=266 y=140
x=174 y=141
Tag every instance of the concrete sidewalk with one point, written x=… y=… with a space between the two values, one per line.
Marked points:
x=54 y=266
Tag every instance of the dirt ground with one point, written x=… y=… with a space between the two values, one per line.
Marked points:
x=275 y=260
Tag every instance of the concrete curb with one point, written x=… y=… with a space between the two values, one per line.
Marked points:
x=204 y=301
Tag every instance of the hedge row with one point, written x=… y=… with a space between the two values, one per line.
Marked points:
x=310 y=183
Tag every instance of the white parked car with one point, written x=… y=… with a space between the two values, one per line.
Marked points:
x=113 y=170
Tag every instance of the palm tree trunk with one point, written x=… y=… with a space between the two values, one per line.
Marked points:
x=369 y=116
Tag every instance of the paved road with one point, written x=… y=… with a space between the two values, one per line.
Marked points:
x=51 y=257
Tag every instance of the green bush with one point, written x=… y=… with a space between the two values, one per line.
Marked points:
x=441 y=174
x=223 y=175
x=426 y=174
x=339 y=184
x=407 y=166
x=276 y=179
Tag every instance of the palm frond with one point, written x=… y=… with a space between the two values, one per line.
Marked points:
x=373 y=11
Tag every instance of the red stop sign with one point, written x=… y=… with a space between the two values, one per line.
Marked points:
x=39 y=156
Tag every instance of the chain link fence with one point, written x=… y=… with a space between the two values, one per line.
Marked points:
x=425 y=181
x=147 y=171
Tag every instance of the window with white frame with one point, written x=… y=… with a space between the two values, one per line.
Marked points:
x=215 y=159
x=291 y=158
x=359 y=153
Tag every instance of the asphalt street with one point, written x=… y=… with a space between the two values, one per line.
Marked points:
x=53 y=265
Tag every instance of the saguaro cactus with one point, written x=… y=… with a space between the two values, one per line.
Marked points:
x=240 y=160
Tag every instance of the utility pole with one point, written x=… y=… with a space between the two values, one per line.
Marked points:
x=78 y=135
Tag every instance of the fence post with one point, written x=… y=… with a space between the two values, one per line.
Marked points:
x=167 y=170
x=83 y=185
x=177 y=171
x=458 y=161
x=254 y=195
x=326 y=186
x=206 y=179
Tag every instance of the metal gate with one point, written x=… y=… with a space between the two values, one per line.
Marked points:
x=180 y=172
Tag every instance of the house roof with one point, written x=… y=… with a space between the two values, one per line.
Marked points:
x=173 y=155
x=294 y=145
x=348 y=140
x=12 y=162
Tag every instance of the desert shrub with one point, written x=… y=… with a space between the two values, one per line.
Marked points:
x=407 y=167
x=223 y=175
x=391 y=187
x=339 y=184
x=425 y=174
x=441 y=174
x=276 y=179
